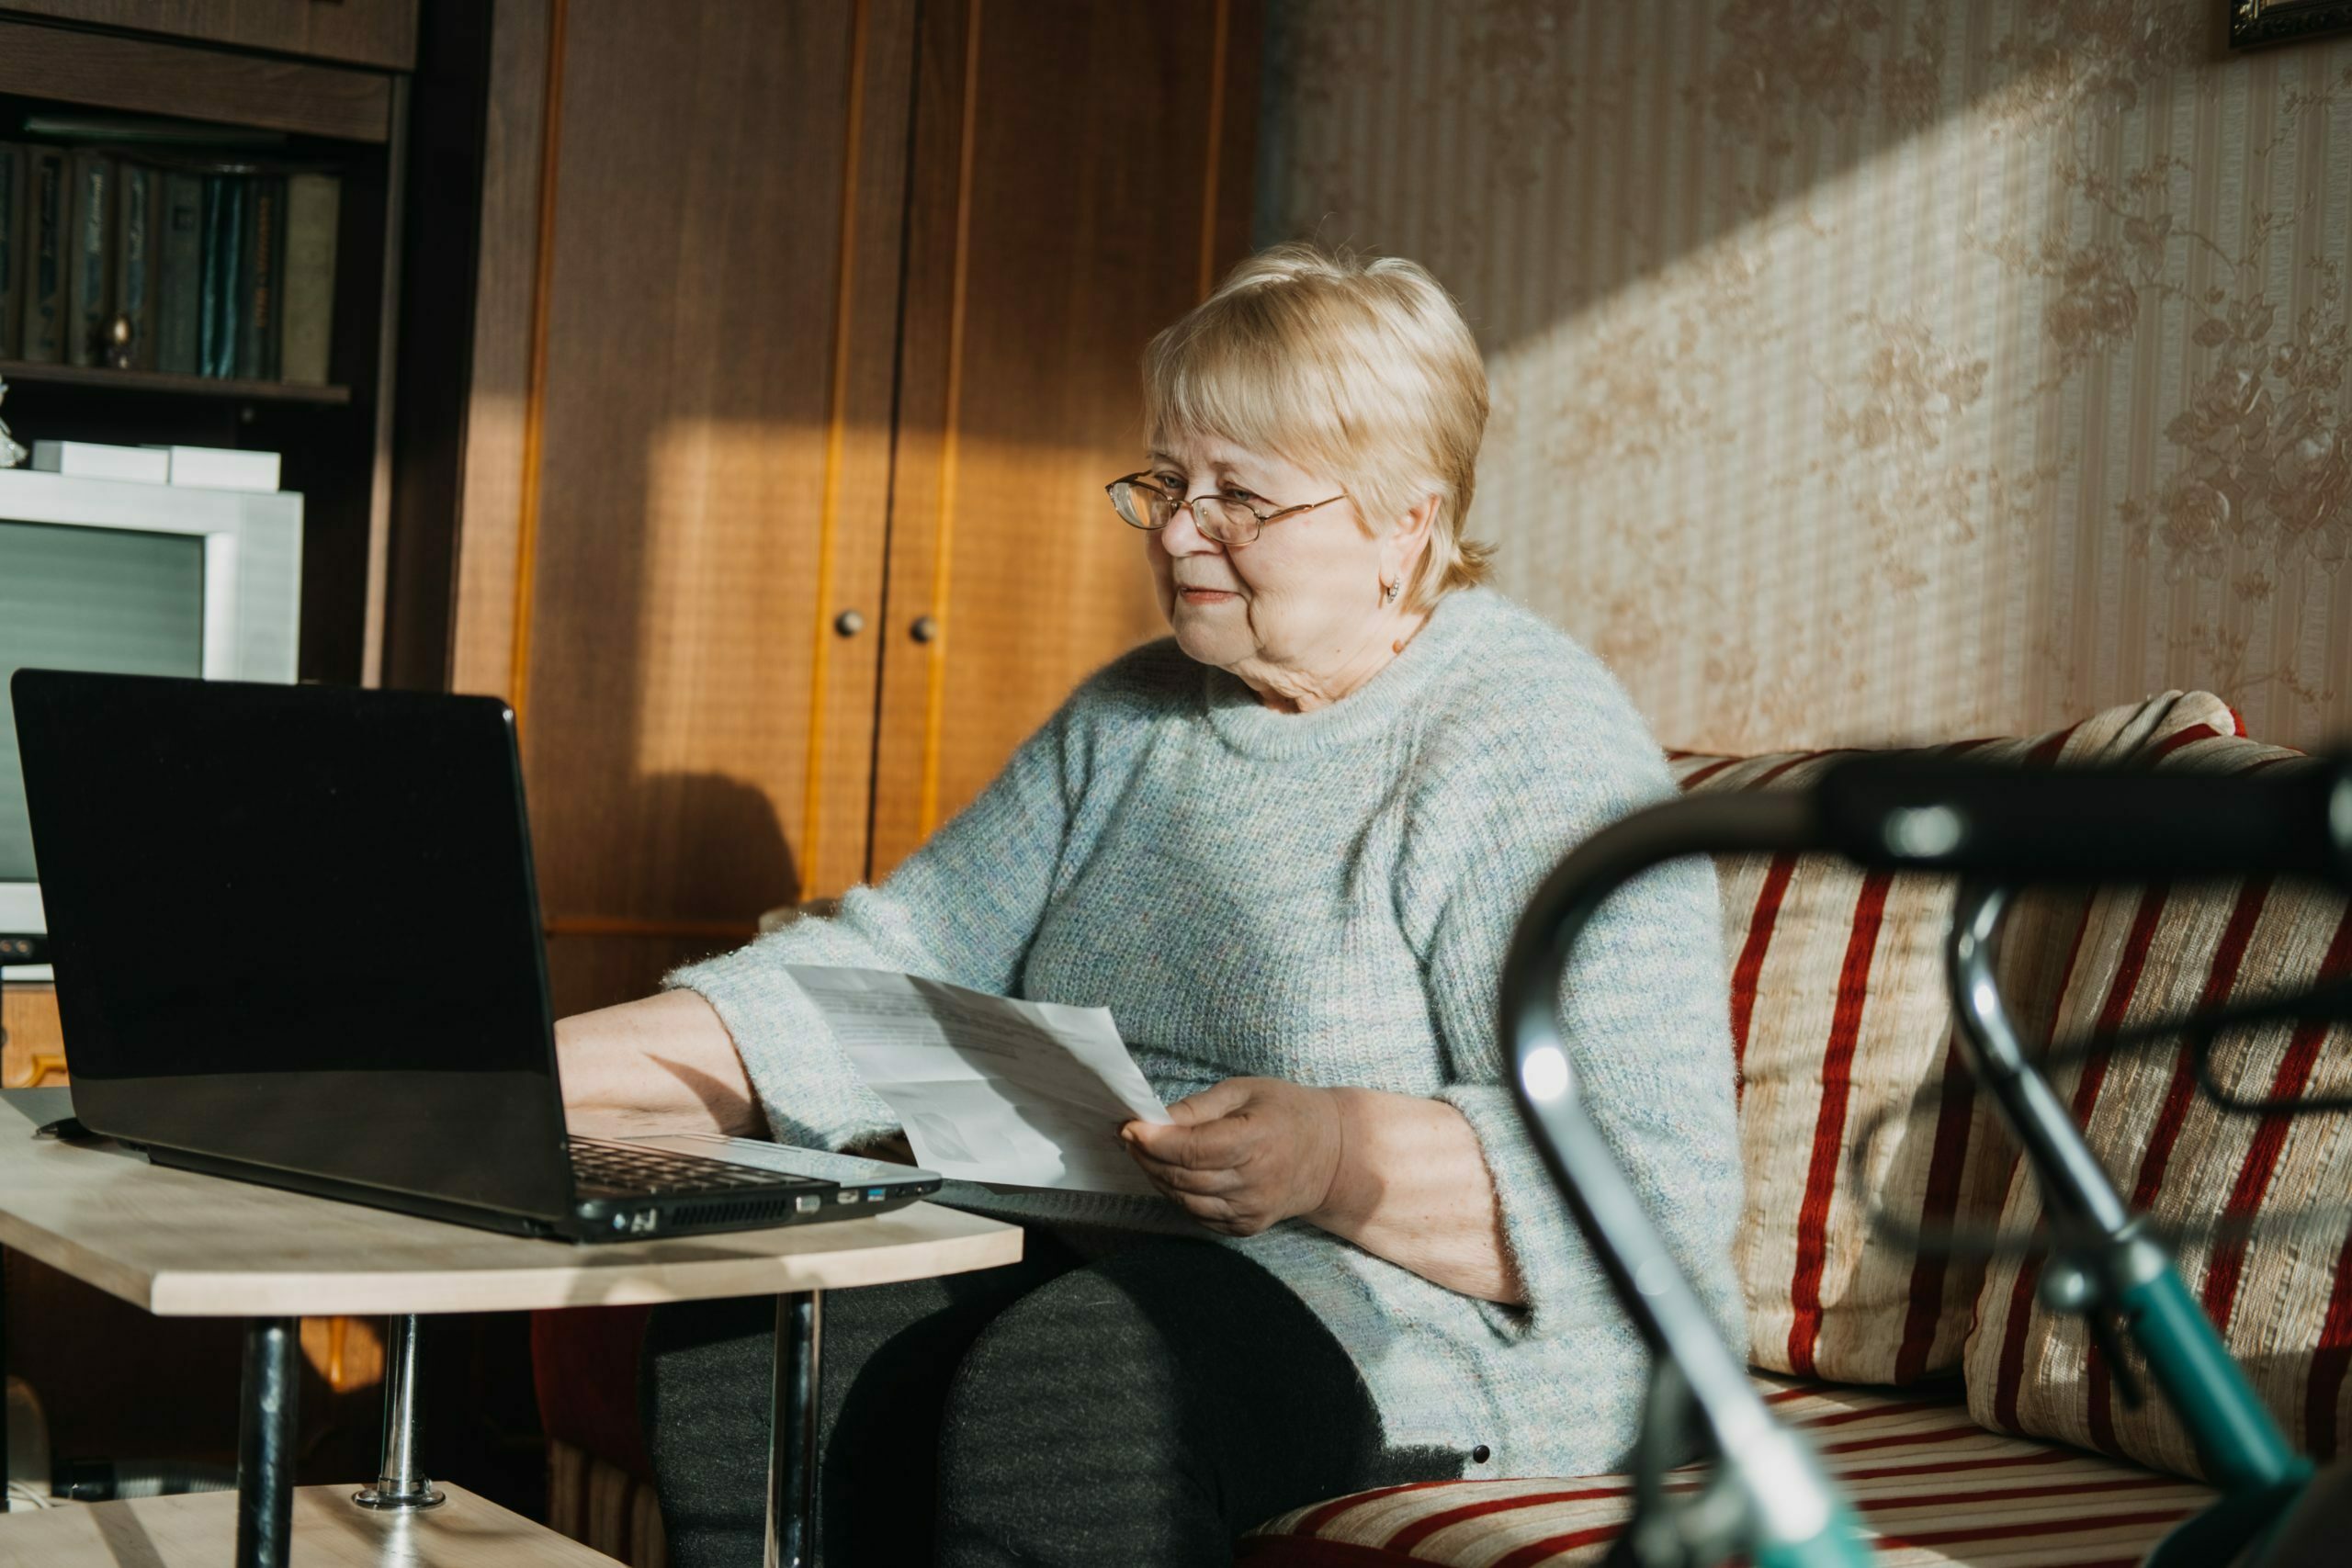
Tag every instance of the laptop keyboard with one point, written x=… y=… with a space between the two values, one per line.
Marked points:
x=600 y=1169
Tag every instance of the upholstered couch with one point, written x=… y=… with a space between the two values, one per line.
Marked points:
x=1968 y=1424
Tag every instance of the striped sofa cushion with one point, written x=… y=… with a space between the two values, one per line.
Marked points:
x=2270 y=1249
x=1843 y=1030
x=1929 y=1484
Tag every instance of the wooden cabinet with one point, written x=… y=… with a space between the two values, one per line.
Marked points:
x=804 y=338
x=365 y=33
x=696 y=482
x=1082 y=178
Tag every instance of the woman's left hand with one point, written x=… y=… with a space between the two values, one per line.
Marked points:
x=1246 y=1154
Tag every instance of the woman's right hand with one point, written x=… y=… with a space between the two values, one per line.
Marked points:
x=664 y=1064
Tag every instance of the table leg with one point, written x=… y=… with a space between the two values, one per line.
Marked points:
x=400 y=1482
x=792 y=1439
x=270 y=1399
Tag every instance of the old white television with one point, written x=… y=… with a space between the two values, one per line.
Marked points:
x=136 y=578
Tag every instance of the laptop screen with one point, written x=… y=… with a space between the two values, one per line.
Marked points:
x=295 y=927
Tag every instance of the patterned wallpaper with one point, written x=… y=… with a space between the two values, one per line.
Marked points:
x=1873 y=369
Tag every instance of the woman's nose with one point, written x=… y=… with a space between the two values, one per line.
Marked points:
x=1182 y=536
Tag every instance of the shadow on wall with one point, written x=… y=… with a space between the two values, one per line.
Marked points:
x=727 y=828
x=1876 y=369
x=730 y=829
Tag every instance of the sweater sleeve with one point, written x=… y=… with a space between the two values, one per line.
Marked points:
x=1644 y=1009
x=962 y=909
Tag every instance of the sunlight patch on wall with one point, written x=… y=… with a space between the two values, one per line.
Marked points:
x=1877 y=371
x=724 y=600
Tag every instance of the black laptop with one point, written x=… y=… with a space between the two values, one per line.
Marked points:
x=296 y=941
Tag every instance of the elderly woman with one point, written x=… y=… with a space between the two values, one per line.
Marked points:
x=1285 y=846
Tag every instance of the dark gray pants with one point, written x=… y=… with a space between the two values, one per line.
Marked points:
x=1144 y=1409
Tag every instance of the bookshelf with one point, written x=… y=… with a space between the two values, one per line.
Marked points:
x=27 y=373
x=332 y=85
x=80 y=61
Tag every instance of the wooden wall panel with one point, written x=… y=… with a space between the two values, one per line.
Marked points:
x=1081 y=172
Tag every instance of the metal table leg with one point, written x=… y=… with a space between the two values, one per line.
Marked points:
x=270 y=1401
x=792 y=1439
x=400 y=1482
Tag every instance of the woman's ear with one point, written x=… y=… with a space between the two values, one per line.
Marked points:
x=1410 y=538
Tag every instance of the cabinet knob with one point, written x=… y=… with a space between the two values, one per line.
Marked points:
x=849 y=623
x=925 y=629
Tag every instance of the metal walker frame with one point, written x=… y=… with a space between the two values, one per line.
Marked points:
x=1768 y=1496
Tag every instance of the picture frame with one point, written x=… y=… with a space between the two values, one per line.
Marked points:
x=2255 y=24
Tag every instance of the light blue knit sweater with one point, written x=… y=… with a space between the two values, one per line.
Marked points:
x=1325 y=898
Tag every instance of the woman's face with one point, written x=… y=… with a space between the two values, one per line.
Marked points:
x=1298 y=613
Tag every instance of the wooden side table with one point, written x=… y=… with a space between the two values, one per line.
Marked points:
x=178 y=1244
x=198 y=1531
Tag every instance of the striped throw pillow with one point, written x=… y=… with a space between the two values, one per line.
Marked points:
x=2270 y=1246
x=1843 y=1033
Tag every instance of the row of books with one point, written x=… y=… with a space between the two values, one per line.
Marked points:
x=220 y=270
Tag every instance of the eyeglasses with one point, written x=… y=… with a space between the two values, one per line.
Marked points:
x=1142 y=502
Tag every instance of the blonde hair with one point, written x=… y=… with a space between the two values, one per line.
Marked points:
x=1362 y=370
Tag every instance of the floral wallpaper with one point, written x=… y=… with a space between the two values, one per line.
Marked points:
x=1876 y=370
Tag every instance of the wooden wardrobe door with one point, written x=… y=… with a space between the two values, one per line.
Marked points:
x=710 y=411
x=1081 y=176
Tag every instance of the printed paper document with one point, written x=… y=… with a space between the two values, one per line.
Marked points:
x=1027 y=1094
